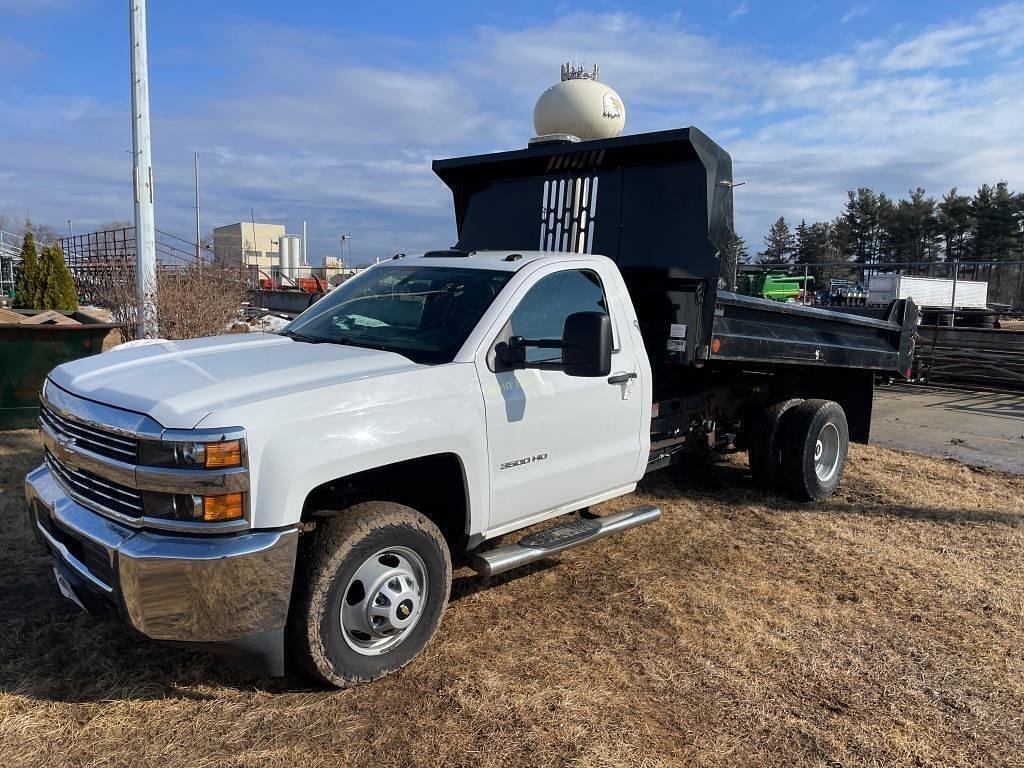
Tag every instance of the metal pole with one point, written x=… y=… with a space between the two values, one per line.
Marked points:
x=956 y=271
x=344 y=237
x=199 y=254
x=142 y=175
x=1020 y=262
x=252 y=219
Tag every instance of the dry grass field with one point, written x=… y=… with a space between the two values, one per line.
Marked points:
x=884 y=627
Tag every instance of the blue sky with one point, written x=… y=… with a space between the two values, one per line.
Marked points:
x=332 y=111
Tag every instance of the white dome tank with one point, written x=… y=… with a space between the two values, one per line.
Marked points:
x=580 y=105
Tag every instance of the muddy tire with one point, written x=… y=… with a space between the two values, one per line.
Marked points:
x=815 y=443
x=373 y=586
x=764 y=445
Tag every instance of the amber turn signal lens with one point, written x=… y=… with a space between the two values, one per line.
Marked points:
x=226 y=454
x=216 y=509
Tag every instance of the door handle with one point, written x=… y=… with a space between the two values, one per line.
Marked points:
x=621 y=378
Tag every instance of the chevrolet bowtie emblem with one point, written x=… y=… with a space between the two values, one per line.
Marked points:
x=65 y=443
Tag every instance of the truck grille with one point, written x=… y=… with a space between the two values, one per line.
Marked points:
x=102 y=442
x=94 y=491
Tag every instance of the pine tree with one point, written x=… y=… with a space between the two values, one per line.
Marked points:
x=955 y=219
x=738 y=246
x=909 y=229
x=862 y=220
x=779 y=243
x=58 y=287
x=26 y=275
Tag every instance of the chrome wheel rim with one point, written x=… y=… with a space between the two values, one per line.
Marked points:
x=383 y=601
x=826 y=453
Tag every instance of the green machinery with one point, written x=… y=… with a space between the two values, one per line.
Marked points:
x=774 y=284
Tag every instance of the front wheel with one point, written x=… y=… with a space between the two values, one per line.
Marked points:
x=377 y=580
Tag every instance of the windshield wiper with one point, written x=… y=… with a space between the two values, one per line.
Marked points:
x=344 y=341
x=302 y=337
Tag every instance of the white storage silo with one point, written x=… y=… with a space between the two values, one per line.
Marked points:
x=289 y=254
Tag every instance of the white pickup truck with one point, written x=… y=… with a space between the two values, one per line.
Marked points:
x=309 y=490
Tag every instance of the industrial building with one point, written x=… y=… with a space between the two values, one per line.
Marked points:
x=335 y=271
x=265 y=250
x=249 y=244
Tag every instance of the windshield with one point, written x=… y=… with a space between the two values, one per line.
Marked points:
x=422 y=312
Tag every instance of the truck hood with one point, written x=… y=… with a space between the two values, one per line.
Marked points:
x=178 y=383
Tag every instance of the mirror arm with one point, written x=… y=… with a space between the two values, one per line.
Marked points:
x=543 y=343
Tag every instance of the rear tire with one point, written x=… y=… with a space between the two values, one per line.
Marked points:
x=377 y=580
x=764 y=449
x=815 y=443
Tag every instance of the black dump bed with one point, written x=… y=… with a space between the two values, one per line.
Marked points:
x=660 y=206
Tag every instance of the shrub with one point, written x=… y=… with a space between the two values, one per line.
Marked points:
x=26 y=275
x=191 y=301
x=57 y=287
x=43 y=281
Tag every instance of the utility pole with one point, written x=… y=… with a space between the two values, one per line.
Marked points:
x=199 y=253
x=1019 y=216
x=142 y=174
x=345 y=237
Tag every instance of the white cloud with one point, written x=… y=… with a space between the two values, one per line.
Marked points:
x=998 y=32
x=854 y=13
x=740 y=10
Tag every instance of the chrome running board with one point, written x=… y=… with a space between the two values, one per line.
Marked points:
x=558 y=538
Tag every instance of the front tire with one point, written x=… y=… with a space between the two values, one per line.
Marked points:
x=377 y=581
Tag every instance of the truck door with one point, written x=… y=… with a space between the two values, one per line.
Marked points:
x=555 y=440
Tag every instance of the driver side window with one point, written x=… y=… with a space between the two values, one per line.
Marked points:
x=542 y=312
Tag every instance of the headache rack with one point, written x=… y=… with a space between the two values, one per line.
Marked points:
x=660 y=206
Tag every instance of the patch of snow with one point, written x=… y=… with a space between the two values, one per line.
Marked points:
x=268 y=323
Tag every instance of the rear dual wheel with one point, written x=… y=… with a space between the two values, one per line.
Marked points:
x=816 y=439
x=764 y=451
x=800 y=447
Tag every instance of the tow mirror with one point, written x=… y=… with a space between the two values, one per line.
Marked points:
x=587 y=344
x=512 y=353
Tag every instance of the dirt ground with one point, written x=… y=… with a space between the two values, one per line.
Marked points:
x=883 y=627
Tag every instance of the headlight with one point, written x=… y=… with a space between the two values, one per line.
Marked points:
x=199 y=509
x=191 y=455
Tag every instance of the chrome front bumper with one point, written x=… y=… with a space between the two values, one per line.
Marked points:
x=202 y=589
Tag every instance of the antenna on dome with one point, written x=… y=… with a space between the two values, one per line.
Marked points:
x=579 y=72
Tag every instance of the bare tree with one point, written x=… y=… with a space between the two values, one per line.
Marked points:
x=192 y=301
